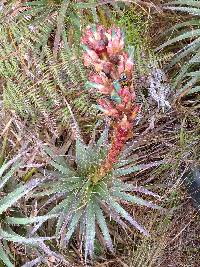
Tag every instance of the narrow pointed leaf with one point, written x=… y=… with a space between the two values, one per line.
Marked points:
x=181 y=37
x=84 y=156
x=64 y=203
x=90 y=229
x=125 y=171
x=134 y=199
x=73 y=225
x=186 y=51
x=30 y=220
x=20 y=239
x=103 y=139
x=9 y=174
x=64 y=169
x=15 y=195
x=32 y=263
x=190 y=10
x=194 y=3
x=124 y=162
x=8 y=164
x=103 y=226
x=195 y=59
x=127 y=216
x=121 y=186
x=58 y=159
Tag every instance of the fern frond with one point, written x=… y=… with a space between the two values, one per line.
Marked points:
x=35 y=84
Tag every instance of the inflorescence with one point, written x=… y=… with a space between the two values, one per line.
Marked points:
x=112 y=77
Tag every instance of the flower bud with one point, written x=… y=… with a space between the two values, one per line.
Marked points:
x=125 y=66
x=102 y=83
x=126 y=95
x=95 y=38
x=115 y=42
x=108 y=108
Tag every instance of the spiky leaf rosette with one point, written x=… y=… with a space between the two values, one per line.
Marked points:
x=86 y=202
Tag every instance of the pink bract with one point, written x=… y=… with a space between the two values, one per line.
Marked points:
x=125 y=66
x=115 y=41
x=126 y=95
x=95 y=38
x=108 y=108
x=104 y=84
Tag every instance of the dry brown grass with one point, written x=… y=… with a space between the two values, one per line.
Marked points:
x=174 y=240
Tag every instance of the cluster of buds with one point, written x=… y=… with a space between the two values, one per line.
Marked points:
x=111 y=76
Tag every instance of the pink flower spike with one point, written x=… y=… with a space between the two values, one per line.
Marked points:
x=125 y=124
x=91 y=58
x=121 y=64
x=86 y=60
x=96 y=78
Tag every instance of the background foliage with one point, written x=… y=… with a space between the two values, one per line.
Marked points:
x=42 y=101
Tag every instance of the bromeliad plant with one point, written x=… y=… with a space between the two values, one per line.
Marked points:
x=89 y=185
x=87 y=198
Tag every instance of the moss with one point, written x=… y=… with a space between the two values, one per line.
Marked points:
x=135 y=26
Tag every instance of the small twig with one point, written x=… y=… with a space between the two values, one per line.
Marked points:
x=6 y=127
